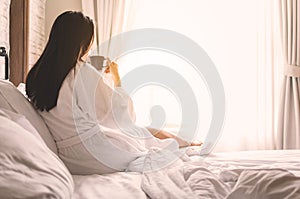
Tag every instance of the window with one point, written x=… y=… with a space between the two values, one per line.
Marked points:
x=239 y=38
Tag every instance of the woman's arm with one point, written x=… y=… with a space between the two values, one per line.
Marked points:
x=113 y=70
x=164 y=135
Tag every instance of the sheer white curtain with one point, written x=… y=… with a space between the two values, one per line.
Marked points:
x=111 y=17
x=269 y=62
x=289 y=117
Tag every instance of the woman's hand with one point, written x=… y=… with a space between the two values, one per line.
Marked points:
x=113 y=70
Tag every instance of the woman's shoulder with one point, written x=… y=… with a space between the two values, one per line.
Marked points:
x=83 y=70
x=87 y=74
x=85 y=67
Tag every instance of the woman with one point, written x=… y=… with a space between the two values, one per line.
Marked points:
x=90 y=116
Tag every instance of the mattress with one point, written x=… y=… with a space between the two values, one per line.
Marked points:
x=247 y=174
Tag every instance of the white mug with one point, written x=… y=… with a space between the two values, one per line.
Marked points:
x=99 y=62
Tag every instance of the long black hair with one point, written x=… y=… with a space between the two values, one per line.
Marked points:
x=70 y=38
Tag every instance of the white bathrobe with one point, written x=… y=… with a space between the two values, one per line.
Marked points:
x=93 y=126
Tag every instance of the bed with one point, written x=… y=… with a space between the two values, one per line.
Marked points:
x=246 y=174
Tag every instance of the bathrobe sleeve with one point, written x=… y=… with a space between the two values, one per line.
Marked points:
x=113 y=106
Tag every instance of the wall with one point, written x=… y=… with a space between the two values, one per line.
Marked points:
x=4 y=31
x=55 y=8
x=36 y=30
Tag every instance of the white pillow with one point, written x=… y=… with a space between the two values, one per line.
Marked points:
x=28 y=168
x=13 y=100
x=22 y=121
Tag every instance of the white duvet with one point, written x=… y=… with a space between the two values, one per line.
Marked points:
x=253 y=174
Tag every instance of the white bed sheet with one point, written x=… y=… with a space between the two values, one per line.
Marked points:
x=116 y=185
x=216 y=176
x=284 y=159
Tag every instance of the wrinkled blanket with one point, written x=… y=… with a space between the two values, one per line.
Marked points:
x=192 y=181
x=243 y=175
